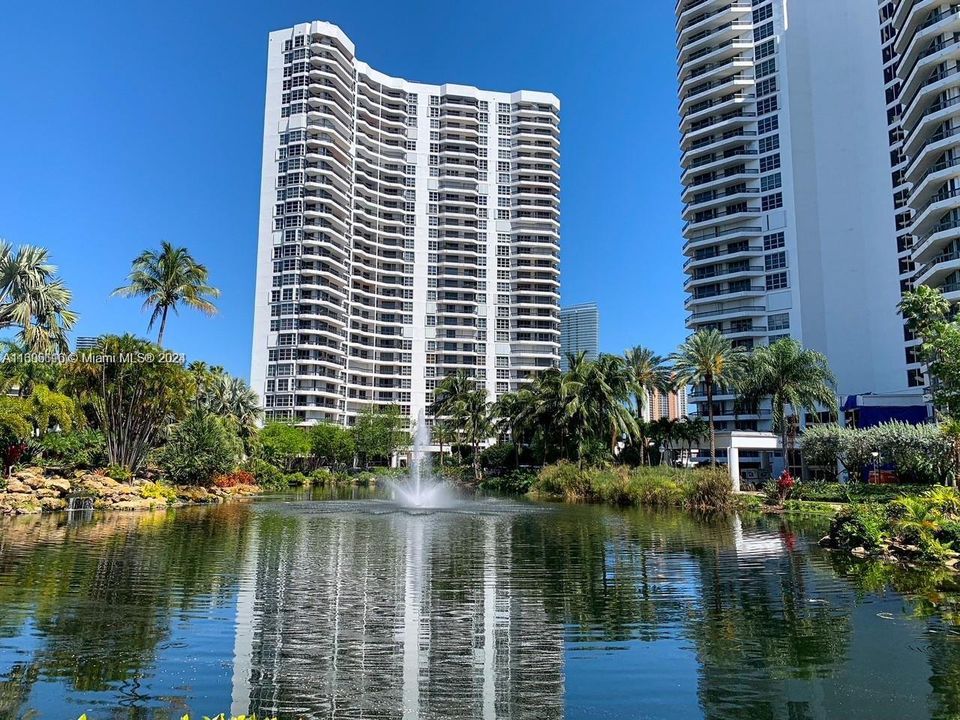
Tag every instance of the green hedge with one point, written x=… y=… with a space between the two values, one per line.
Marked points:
x=918 y=454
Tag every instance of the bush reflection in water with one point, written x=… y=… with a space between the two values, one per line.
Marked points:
x=570 y=612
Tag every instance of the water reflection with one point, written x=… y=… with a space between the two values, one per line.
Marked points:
x=361 y=611
x=393 y=615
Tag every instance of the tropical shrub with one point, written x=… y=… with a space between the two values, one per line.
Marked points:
x=925 y=525
x=237 y=477
x=853 y=492
x=297 y=479
x=514 y=482
x=117 y=472
x=74 y=449
x=561 y=479
x=199 y=449
x=785 y=485
x=379 y=433
x=710 y=489
x=499 y=456
x=159 y=491
x=131 y=392
x=15 y=430
x=860 y=525
x=267 y=476
x=703 y=489
x=326 y=476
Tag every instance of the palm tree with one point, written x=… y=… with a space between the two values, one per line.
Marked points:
x=666 y=431
x=20 y=373
x=594 y=396
x=708 y=358
x=34 y=299
x=649 y=372
x=615 y=383
x=474 y=411
x=234 y=398
x=514 y=415
x=793 y=376
x=692 y=430
x=546 y=415
x=448 y=398
x=166 y=279
x=441 y=432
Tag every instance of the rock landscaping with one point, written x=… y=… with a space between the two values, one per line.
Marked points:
x=31 y=490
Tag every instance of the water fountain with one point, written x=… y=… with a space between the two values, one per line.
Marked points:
x=421 y=489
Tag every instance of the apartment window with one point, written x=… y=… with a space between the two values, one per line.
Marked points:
x=773 y=241
x=768 y=124
x=780 y=321
x=767 y=105
x=771 y=202
x=765 y=50
x=763 y=32
x=765 y=87
x=762 y=13
x=769 y=144
x=777 y=281
x=767 y=67
x=770 y=182
x=770 y=162
x=775 y=261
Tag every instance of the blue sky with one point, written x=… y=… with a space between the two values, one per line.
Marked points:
x=125 y=123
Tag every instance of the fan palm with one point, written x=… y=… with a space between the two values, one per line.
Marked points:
x=33 y=299
x=709 y=358
x=649 y=372
x=167 y=279
x=792 y=376
x=220 y=393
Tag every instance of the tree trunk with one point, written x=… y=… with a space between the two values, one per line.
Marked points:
x=785 y=437
x=713 y=433
x=441 y=452
x=163 y=325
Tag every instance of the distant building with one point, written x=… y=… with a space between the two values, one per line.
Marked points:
x=579 y=332
x=86 y=343
x=671 y=405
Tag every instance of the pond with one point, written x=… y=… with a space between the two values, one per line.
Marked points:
x=351 y=608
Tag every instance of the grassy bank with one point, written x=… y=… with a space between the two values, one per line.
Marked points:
x=701 y=489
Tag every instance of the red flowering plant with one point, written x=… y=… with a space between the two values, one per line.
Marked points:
x=785 y=485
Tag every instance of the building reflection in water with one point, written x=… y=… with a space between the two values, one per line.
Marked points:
x=392 y=616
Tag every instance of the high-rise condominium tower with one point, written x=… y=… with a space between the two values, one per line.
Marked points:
x=789 y=215
x=579 y=332
x=407 y=231
x=921 y=56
